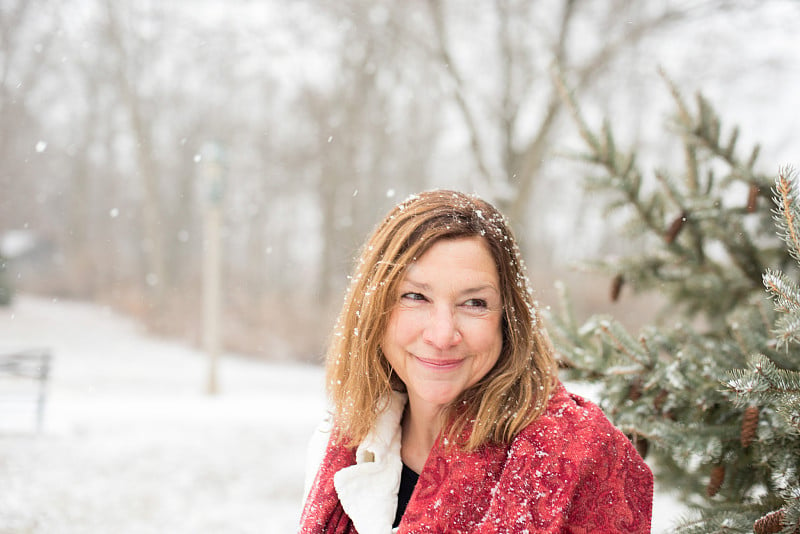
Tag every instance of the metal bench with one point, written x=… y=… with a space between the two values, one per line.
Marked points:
x=23 y=387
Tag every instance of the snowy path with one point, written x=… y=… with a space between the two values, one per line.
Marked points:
x=131 y=444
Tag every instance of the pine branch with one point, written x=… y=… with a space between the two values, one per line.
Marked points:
x=764 y=383
x=792 y=510
x=712 y=258
x=623 y=175
x=720 y=521
x=787 y=213
x=626 y=345
x=787 y=329
x=705 y=132
x=783 y=291
x=743 y=252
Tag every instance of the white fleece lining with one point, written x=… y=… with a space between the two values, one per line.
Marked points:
x=368 y=490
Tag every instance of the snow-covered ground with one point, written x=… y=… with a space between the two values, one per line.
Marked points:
x=132 y=444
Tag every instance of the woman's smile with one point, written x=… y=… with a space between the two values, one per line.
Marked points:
x=439 y=364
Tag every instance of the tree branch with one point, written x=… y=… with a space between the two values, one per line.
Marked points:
x=443 y=52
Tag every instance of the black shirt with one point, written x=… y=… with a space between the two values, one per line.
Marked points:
x=408 y=479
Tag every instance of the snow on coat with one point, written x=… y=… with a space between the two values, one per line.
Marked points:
x=570 y=471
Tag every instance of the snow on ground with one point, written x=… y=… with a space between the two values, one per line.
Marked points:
x=132 y=444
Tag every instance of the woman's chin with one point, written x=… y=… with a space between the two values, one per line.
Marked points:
x=438 y=396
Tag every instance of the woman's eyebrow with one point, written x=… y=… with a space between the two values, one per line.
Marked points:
x=480 y=288
x=474 y=289
x=418 y=285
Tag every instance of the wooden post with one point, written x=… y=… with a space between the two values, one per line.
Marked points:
x=213 y=174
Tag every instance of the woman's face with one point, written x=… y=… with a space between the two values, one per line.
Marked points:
x=445 y=330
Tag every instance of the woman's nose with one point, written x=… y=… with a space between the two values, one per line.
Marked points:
x=442 y=329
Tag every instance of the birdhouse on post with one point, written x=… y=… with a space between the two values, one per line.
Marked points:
x=213 y=170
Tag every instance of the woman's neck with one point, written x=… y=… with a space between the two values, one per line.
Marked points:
x=421 y=429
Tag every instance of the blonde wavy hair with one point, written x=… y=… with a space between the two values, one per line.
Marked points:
x=359 y=378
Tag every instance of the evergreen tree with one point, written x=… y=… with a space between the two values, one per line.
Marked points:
x=710 y=393
x=764 y=384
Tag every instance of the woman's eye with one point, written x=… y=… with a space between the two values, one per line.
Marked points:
x=476 y=303
x=412 y=296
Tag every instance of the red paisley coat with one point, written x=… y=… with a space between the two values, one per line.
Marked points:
x=570 y=471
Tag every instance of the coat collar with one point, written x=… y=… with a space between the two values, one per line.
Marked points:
x=368 y=489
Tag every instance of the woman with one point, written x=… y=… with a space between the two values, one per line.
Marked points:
x=448 y=415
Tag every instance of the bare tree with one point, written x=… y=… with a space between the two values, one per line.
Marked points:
x=129 y=71
x=512 y=128
x=372 y=143
x=26 y=33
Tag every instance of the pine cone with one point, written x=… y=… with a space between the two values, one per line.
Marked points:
x=635 y=390
x=715 y=482
x=564 y=363
x=770 y=523
x=749 y=426
x=642 y=446
x=676 y=227
x=616 y=287
x=640 y=443
x=752 y=198
x=660 y=399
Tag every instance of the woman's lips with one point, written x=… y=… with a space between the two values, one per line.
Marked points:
x=437 y=364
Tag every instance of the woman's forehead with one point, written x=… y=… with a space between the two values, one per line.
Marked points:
x=467 y=260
